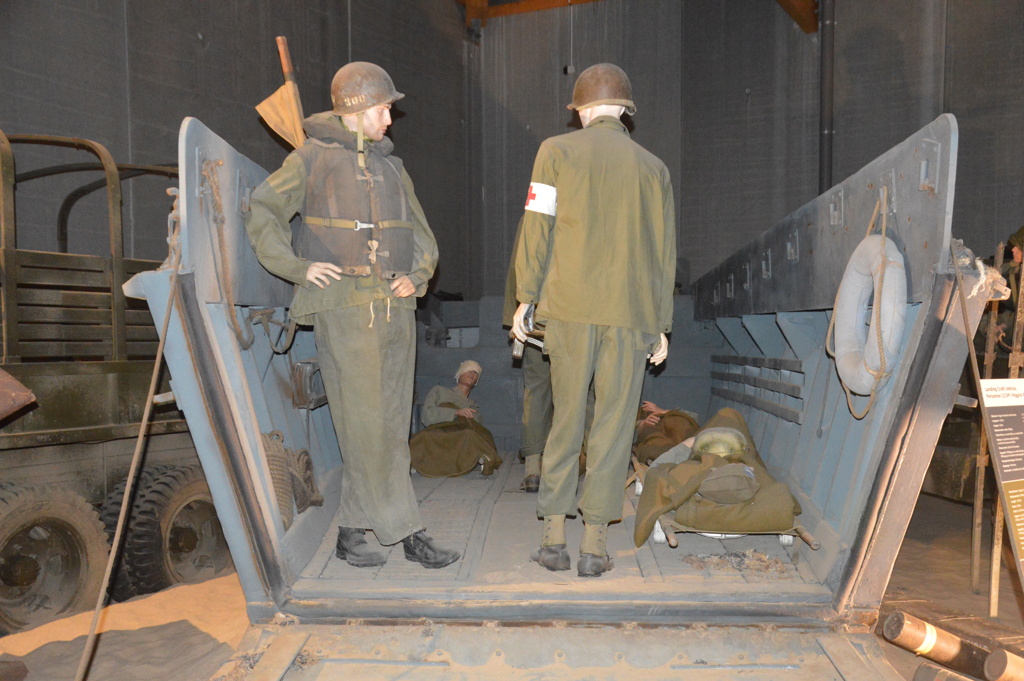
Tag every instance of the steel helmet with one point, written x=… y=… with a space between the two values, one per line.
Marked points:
x=603 y=84
x=1017 y=238
x=359 y=86
x=723 y=441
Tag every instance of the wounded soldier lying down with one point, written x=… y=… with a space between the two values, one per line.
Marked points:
x=723 y=486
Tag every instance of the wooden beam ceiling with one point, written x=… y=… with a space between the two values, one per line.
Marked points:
x=482 y=10
x=803 y=12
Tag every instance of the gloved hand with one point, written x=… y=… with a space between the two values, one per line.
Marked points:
x=519 y=329
x=660 y=352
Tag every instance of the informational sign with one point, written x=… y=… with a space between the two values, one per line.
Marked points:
x=1003 y=401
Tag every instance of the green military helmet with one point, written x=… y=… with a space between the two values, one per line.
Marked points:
x=359 y=86
x=727 y=443
x=1017 y=239
x=603 y=84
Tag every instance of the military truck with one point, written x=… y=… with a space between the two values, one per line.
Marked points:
x=753 y=336
x=87 y=354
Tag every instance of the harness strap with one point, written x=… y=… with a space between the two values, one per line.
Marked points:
x=355 y=270
x=356 y=224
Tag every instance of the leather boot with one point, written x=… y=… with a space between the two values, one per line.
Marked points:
x=421 y=549
x=354 y=550
x=531 y=482
x=552 y=553
x=591 y=565
x=594 y=558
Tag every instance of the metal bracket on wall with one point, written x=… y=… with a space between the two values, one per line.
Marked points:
x=829 y=228
x=930 y=150
x=837 y=210
x=793 y=246
x=244 y=192
x=201 y=187
x=888 y=179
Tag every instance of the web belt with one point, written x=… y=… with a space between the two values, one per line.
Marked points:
x=356 y=224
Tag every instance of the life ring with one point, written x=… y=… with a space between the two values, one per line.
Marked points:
x=856 y=341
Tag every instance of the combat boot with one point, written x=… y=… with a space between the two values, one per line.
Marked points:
x=531 y=481
x=419 y=548
x=354 y=550
x=594 y=558
x=552 y=553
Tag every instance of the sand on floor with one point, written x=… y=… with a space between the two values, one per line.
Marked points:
x=216 y=607
x=933 y=564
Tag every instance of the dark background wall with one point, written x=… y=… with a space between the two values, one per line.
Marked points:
x=727 y=94
x=522 y=79
x=126 y=73
x=750 y=125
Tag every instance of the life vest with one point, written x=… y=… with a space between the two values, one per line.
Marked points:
x=358 y=220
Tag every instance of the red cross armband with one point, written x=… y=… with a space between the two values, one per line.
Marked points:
x=541 y=198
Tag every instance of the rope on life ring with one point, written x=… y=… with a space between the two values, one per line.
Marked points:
x=865 y=366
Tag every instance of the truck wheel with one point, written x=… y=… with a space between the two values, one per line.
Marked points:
x=121 y=587
x=175 y=537
x=53 y=553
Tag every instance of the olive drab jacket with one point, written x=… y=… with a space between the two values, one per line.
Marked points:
x=509 y=308
x=323 y=179
x=594 y=249
x=435 y=409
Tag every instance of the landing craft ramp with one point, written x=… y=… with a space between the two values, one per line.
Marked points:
x=855 y=479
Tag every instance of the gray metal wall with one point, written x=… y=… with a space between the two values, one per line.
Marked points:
x=519 y=91
x=750 y=102
x=750 y=120
x=984 y=87
x=125 y=74
x=736 y=102
x=727 y=95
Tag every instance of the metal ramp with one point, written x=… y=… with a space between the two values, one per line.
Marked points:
x=488 y=651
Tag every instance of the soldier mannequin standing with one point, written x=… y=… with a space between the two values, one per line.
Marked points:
x=597 y=256
x=362 y=254
x=537 y=405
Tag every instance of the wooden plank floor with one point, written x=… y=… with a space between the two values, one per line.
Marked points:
x=494 y=525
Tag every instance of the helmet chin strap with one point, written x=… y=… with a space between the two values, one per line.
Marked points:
x=360 y=151
x=359 y=141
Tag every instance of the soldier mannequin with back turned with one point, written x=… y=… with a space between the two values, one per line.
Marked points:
x=362 y=254
x=597 y=256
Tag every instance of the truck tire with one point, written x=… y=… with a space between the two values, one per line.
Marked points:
x=175 y=536
x=121 y=587
x=53 y=553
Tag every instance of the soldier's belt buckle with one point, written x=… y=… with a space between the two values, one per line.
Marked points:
x=363 y=225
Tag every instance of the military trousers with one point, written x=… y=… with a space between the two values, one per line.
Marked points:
x=537 y=405
x=368 y=376
x=613 y=358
